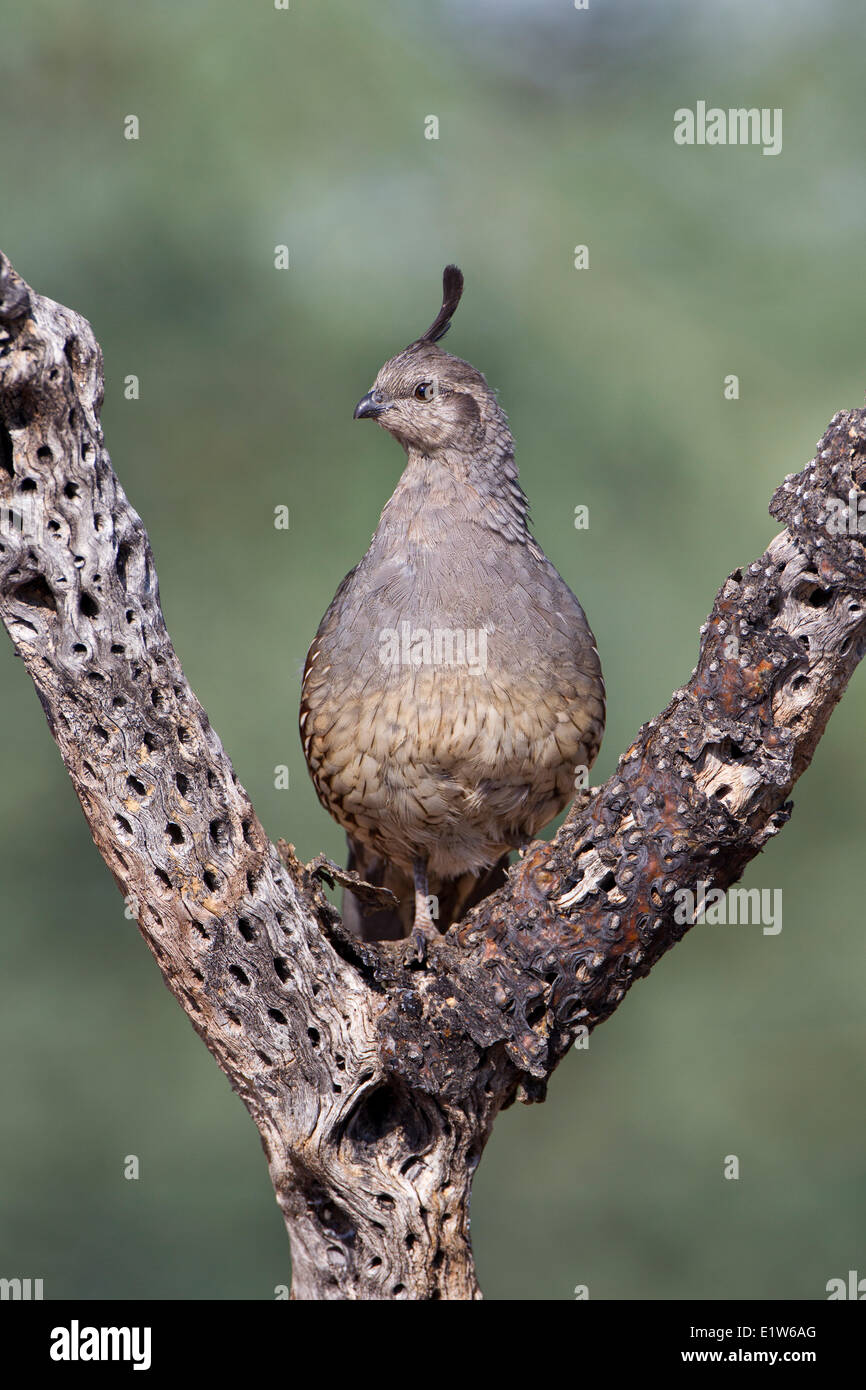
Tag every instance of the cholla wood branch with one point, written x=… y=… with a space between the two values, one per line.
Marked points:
x=374 y=1086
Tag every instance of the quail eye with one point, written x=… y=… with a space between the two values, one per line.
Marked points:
x=425 y=391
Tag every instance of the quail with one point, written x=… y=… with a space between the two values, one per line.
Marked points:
x=453 y=692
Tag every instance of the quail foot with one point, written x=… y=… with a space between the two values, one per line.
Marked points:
x=453 y=689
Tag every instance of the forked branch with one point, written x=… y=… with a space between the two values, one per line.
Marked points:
x=374 y=1086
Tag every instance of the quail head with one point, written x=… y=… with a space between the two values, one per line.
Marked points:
x=453 y=689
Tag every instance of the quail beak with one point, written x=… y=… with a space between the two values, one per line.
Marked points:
x=369 y=407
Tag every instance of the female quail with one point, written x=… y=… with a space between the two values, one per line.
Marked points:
x=453 y=688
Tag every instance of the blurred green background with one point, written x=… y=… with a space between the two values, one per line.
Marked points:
x=306 y=127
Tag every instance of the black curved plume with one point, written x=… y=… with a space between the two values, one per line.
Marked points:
x=452 y=289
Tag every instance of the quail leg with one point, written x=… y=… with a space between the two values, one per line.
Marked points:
x=424 y=928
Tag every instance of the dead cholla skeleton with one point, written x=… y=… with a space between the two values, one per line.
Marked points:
x=374 y=1087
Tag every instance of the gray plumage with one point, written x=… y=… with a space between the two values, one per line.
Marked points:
x=453 y=687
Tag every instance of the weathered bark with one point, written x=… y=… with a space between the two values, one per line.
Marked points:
x=374 y=1086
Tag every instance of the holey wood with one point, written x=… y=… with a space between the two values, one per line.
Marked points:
x=374 y=1085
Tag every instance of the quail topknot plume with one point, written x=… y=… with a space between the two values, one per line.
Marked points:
x=453 y=687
